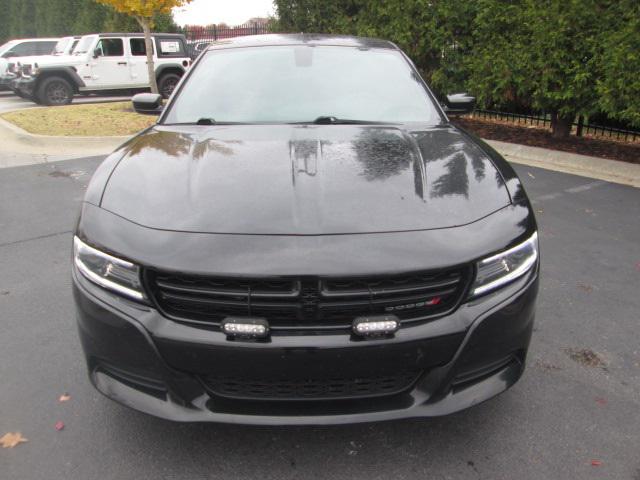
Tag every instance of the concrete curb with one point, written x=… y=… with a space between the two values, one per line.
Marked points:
x=17 y=140
x=583 y=165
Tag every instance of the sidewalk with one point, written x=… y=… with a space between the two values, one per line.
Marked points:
x=583 y=165
x=18 y=147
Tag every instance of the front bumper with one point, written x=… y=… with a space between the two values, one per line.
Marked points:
x=23 y=86
x=152 y=364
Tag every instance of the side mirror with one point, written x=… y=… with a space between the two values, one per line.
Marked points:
x=97 y=53
x=459 y=104
x=147 y=103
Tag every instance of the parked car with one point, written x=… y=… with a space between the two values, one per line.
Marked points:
x=304 y=238
x=196 y=47
x=22 y=48
x=105 y=63
x=63 y=47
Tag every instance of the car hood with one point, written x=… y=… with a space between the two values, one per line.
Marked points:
x=303 y=180
x=30 y=60
x=54 y=60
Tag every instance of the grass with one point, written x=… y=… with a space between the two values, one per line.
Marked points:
x=91 y=120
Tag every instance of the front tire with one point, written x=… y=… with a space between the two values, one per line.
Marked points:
x=54 y=91
x=167 y=83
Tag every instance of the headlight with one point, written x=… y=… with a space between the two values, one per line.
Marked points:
x=500 y=269
x=109 y=272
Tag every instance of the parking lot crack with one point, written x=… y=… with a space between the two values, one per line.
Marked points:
x=39 y=237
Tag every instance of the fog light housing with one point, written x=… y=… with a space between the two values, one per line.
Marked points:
x=245 y=327
x=376 y=326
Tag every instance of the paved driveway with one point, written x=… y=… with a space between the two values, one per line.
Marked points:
x=9 y=101
x=578 y=402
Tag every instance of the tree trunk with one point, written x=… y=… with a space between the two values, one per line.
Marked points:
x=561 y=125
x=145 y=23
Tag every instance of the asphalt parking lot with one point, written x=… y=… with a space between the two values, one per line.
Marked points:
x=574 y=415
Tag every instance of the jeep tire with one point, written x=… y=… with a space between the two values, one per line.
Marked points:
x=167 y=83
x=54 y=91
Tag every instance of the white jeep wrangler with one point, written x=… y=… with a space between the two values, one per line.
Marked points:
x=105 y=63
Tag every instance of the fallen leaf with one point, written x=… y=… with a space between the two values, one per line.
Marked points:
x=601 y=401
x=59 y=426
x=10 y=440
x=65 y=397
x=531 y=175
x=596 y=463
x=584 y=287
x=586 y=357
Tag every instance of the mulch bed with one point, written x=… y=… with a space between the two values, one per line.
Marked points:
x=539 y=137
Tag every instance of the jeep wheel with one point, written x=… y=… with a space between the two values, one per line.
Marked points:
x=167 y=84
x=55 y=91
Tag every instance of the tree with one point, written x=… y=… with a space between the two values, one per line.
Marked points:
x=619 y=83
x=541 y=54
x=145 y=11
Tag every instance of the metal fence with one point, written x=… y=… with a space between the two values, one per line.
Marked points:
x=580 y=128
x=216 y=32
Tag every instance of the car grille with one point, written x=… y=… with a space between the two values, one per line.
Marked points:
x=303 y=304
x=26 y=70
x=310 y=389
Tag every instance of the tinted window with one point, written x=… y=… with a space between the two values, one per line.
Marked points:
x=23 y=49
x=45 y=48
x=111 y=47
x=138 y=46
x=298 y=84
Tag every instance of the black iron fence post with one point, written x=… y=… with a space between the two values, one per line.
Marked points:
x=580 y=126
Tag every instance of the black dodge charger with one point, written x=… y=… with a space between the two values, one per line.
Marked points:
x=304 y=238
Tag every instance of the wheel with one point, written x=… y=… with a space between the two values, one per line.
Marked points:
x=54 y=91
x=167 y=83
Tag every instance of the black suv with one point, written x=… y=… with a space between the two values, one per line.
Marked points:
x=304 y=238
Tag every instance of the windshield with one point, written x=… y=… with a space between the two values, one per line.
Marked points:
x=62 y=45
x=84 y=45
x=299 y=84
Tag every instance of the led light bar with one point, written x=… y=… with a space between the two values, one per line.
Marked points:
x=245 y=327
x=378 y=325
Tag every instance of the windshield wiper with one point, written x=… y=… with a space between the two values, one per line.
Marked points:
x=329 y=120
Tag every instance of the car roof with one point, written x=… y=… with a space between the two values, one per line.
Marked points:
x=21 y=40
x=310 y=39
x=115 y=34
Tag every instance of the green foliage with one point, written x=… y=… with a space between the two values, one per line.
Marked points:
x=55 y=18
x=538 y=53
x=618 y=86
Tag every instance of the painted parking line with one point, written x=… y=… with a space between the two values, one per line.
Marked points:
x=580 y=188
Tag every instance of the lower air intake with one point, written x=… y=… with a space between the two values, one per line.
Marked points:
x=311 y=389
